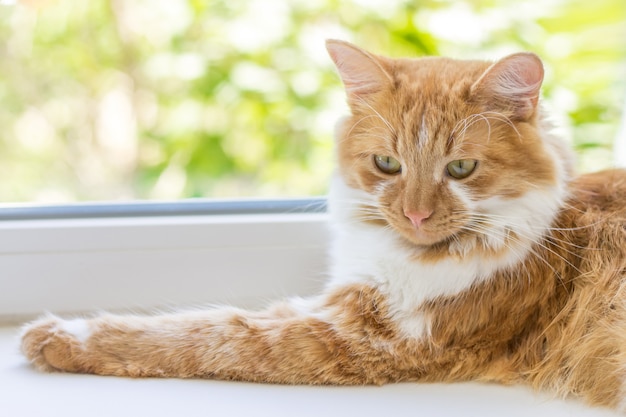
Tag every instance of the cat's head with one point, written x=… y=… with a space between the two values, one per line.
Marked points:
x=446 y=149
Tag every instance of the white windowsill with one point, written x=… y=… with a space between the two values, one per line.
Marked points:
x=142 y=263
x=28 y=393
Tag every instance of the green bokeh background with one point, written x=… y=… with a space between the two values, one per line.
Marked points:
x=162 y=99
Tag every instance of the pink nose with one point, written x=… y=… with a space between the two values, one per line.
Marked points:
x=417 y=217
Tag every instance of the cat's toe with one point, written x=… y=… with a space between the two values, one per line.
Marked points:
x=49 y=347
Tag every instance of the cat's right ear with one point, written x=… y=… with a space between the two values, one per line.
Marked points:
x=362 y=73
x=511 y=86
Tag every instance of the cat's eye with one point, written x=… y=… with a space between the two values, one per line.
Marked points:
x=387 y=164
x=461 y=168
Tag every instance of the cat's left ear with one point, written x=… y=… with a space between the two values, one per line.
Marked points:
x=363 y=74
x=511 y=86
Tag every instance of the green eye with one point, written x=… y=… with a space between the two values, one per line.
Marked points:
x=387 y=164
x=462 y=168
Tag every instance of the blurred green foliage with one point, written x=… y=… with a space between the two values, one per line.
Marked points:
x=114 y=99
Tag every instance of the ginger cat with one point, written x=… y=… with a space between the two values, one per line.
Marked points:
x=464 y=249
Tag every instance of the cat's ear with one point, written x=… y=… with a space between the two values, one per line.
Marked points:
x=362 y=73
x=511 y=86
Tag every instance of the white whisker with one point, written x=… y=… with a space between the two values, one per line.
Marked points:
x=385 y=121
x=462 y=126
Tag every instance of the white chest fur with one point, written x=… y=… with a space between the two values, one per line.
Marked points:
x=374 y=257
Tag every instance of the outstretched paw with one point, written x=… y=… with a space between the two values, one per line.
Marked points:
x=53 y=344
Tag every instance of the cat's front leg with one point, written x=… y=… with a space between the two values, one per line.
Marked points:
x=345 y=337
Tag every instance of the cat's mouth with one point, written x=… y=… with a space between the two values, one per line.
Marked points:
x=463 y=240
x=458 y=233
x=424 y=236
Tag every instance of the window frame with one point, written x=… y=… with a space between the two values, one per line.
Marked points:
x=141 y=256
